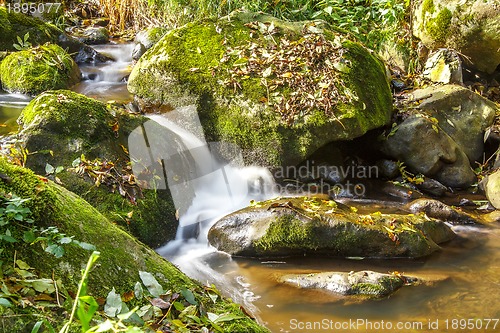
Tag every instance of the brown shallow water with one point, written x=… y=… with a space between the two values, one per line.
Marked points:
x=464 y=298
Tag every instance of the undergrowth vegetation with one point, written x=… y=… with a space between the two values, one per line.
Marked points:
x=370 y=21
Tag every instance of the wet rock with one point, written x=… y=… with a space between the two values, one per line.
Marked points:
x=443 y=66
x=151 y=36
x=468 y=26
x=70 y=125
x=241 y=112
x=427 y=150
x=492 y=189
x=16 y=24
x=388 y=168
x=461 y=113
x=400 y=191
x=432 y=187
x=438 y=210
x=39 y=69
x=364 y=283
x=92 y=35
x=138 y=51
x=304 y=225
x=491 y=217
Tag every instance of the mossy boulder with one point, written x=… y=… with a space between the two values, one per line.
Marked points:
x=257 y=83
x=470 y=27
x=13 y=25
x=58 y=127
x=121 y=255
x=311 y=226
x=38 y=69
x=367 y=284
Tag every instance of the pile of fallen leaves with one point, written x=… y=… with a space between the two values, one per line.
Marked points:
x=298 y=75
x=121 y=180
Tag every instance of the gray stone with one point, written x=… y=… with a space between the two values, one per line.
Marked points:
x=443 y=66
x=461 y=113
x=366 y=283
x=468 y=26
x=493 y=189
x=138 y=51
x=92 y=35
x=311 y=226
x=439 y=210
x=426 y=149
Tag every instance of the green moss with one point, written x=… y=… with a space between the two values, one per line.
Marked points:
x=384 y=287
x=15 y=24
x=68 y=125
x=286 y=231
x=122 y=256
x=185 y=68
x=437 y=27
x=38 y=69
x=428 y=6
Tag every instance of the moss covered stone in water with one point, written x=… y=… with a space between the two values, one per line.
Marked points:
x=39 y=69
x=310 y=226
x=201 y=62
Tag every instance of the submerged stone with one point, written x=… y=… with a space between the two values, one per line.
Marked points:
x=364 y=283
x=246 y=77
x=311 y=226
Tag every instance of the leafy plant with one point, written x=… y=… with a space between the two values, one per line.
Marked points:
x=52 y=241
x=12 y=211
x=22 y=43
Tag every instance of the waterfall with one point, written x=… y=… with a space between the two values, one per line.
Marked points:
x=207 y=181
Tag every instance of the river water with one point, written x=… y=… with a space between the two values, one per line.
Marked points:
x=464 y=296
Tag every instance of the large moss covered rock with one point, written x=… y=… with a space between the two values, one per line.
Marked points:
x=61 y=126
x=13 y=25
x=304 y=225
x=279 y=90
x=121 y=256
x=38 y=69
x=470 y=27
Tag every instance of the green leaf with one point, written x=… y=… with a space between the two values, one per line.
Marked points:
x=189 y=296
x=227 y=317
x=241 y=62
x=65 y=240
x=17 y=47
x=49 y=169
x=56 y=250
x=76 y=162
x=85 y=246
x=29 y=236
x=43 y=285
x=87 y=306
x=113 y=304
x=59 y=169
x=37 y=326
x=22 y=265
x=151 y=283
x=5 y=302
x=138 y=291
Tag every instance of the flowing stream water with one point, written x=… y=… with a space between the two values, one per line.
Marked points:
x=466 y=270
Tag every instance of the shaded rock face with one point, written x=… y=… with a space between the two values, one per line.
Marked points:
x=61 y=126
x=204 y=63
x=470 y=27
x=430 y=152
x=15 y=24
x=445 y=136
x=304 y=225
x=363 y=283
x=93 y=35
x=39 y=69
x=438 y=210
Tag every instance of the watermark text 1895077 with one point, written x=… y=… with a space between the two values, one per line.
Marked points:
x=33 y=7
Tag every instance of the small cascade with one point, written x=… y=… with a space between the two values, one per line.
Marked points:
x=107 y=81
x=214 y=186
